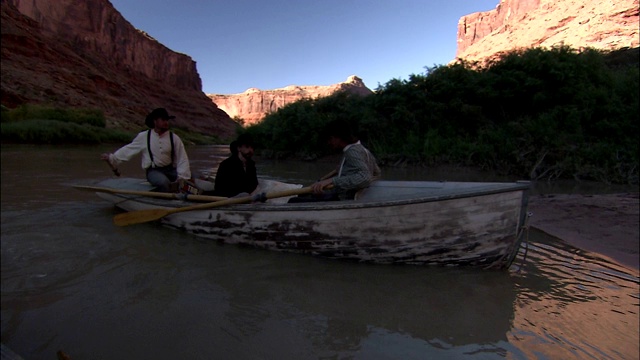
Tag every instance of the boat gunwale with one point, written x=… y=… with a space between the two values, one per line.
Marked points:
x=335 y=205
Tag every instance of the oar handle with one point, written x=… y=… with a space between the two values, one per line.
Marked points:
x=243 y=200
x=333 y=173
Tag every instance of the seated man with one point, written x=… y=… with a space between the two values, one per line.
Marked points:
x=237 y=173
x=356 y=171
x=164 y=158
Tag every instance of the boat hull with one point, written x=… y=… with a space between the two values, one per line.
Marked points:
x=445 y=224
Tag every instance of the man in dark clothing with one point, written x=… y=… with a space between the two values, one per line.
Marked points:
x=237 y=174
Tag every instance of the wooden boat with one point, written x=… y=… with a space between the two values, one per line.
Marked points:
x=391 y=222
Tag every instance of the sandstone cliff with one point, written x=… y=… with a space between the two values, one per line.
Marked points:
x=82 y=53
x=600 y=24
x=252 y=105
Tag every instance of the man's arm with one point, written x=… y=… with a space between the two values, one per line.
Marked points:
x=126 y=152
x=355 y=171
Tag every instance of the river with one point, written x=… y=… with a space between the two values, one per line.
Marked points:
x=74 y=282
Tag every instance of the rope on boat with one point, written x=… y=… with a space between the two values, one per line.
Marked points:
x=525 y=242
x=520 y=235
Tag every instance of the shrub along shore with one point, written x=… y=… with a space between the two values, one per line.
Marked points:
x=537 y=114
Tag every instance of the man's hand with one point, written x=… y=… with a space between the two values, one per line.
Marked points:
x=107 y=157
x=320 y=185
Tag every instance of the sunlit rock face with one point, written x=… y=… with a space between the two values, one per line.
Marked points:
x=252 y=105
x=80 y=53
x=513 y=24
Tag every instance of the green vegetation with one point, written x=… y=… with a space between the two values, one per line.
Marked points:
x=54 y=125
x=59 y=132
x=538 y=114
x=90 y=117
x=38 y=124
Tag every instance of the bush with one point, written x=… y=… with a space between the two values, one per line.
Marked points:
x=93 y=117
x=58 y=132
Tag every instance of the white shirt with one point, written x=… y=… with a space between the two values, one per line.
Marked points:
x=161 y=150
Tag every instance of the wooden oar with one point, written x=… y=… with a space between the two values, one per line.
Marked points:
x=332 y=173
x=142 y=216
x=152 y=194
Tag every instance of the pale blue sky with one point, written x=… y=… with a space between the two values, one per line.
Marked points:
x=269 y=44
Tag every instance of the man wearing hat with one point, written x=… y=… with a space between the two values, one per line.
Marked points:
x=237 y=174
x=163 y=155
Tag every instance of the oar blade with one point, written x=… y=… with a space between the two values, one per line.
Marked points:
x=139 y=217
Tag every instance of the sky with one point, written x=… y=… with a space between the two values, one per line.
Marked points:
x=271 y=44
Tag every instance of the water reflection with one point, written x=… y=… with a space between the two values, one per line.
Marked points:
x=347 y=303
x=575 y=303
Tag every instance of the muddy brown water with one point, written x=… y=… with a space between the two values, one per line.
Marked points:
x=72 y=281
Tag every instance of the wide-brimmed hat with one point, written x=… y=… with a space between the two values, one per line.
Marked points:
x=159 y=113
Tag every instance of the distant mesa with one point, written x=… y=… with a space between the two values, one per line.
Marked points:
x=253 y=105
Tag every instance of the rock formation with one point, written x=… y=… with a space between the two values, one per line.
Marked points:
x=78 y=53
x=252 y=105
x=600 y=24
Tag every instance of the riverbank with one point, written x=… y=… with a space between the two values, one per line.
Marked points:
x=605 y=224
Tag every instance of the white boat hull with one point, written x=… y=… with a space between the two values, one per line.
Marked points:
x=427 y=223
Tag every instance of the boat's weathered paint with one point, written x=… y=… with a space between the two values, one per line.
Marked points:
x=434 y=223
